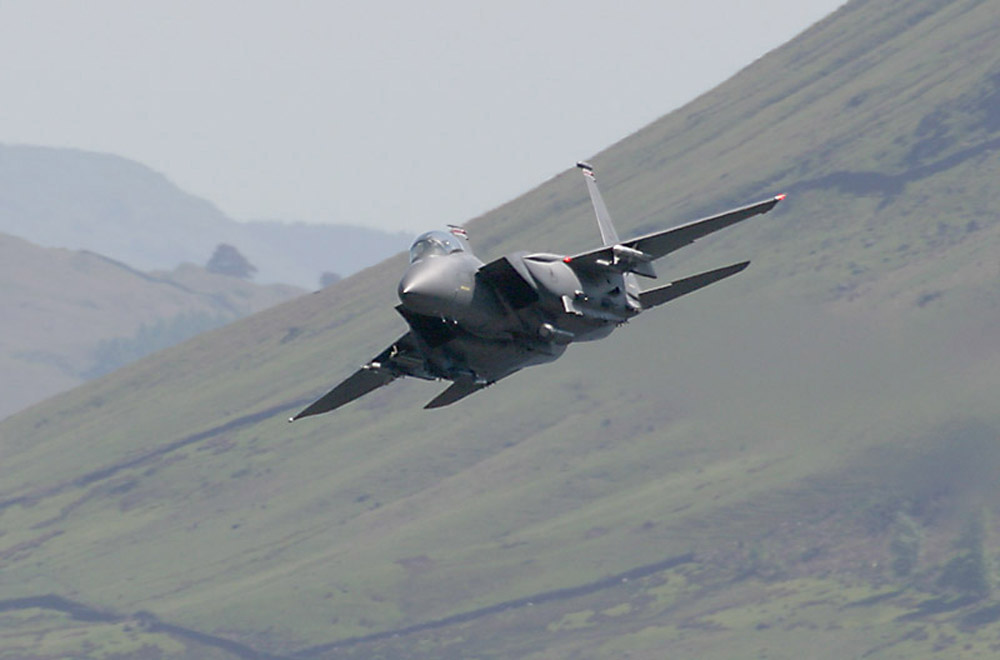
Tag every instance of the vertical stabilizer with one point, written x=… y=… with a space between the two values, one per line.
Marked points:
x=608 y=233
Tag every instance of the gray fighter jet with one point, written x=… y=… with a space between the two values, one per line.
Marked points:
x=474 y=323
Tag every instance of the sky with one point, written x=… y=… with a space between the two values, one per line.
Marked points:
x=395 y=115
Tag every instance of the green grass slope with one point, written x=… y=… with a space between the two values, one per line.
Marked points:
x=799 y=462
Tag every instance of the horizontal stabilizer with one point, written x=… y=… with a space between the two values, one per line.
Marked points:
x=460 y=389
x=666 y=293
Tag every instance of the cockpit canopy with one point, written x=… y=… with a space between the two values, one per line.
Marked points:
x=435 y=244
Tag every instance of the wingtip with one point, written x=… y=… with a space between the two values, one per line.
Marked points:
x=780 y=197
x=583 y=165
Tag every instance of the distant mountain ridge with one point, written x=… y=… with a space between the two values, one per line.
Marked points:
x=114 y=206
x=71 y=315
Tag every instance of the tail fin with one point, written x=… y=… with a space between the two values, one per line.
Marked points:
x=608 y=233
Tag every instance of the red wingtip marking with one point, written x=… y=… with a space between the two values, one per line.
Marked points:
x=781 y=197
x=566 y=260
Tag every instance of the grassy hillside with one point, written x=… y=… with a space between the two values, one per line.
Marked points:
x=799 y=462
x=70 y=316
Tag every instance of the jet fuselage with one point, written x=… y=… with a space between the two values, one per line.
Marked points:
x=474 y=323
x=495 y=336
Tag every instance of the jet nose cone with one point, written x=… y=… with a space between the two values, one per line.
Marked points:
x=421 y=290
x=409 y=287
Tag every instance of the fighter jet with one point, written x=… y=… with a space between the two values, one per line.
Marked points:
x=474 y=323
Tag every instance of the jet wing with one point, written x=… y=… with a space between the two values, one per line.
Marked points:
x=400 y=359
x=658 y=244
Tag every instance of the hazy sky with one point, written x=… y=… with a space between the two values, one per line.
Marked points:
x=399 y=115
